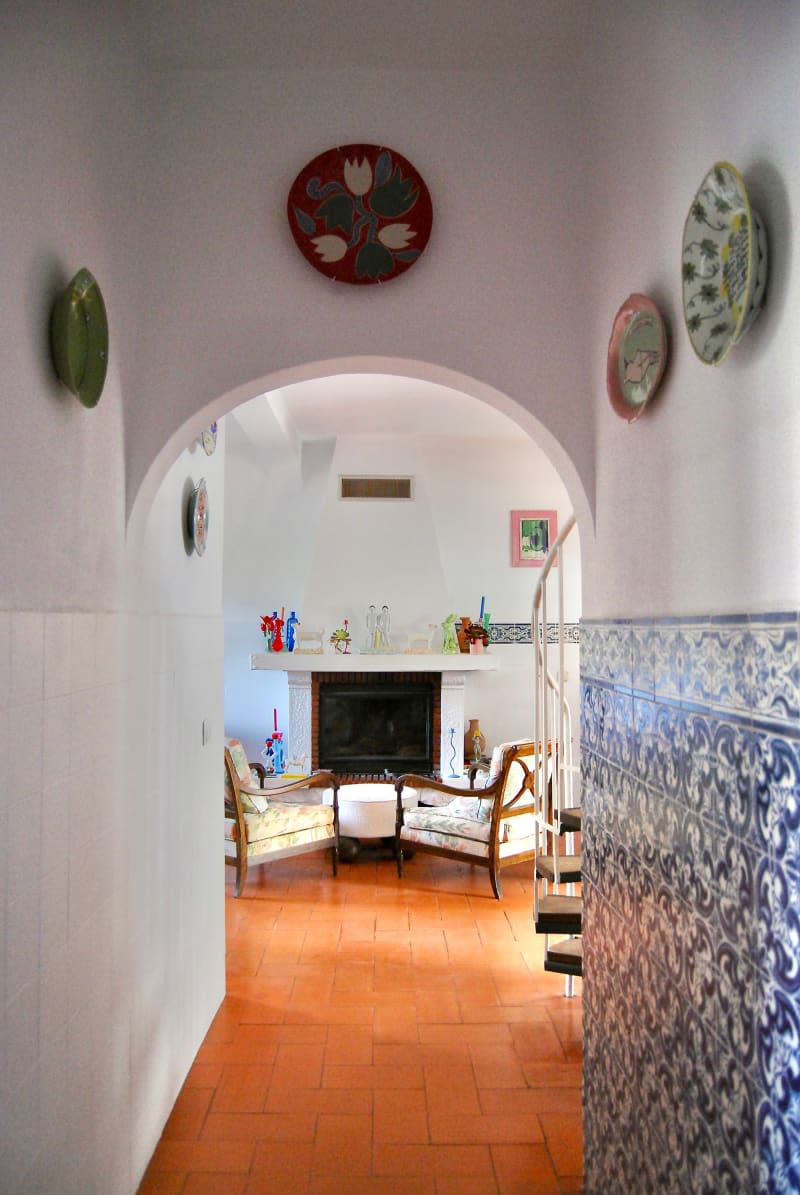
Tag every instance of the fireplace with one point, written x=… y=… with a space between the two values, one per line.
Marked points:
x=368 y=724
x=307 y=671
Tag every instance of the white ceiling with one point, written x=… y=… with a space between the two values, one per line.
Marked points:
x=369 y=404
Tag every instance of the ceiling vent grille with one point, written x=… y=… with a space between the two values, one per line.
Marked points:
x=371 y=488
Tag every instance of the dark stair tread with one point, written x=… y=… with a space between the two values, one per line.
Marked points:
x=570 y=819
x=559 y=915
x=569 y=867
x=565 y=958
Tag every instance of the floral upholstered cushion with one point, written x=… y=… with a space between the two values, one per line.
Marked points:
x=459 y=832
x=441 y=821
x=466 y=846
x=283 y=843
x=477 y=807
x=441 y=838
x=282 y=828
x=432 y=796
x=279 y=820
x=253 y=800
x=240 y=761
x=497 y=762
x=483 y=778
x=269 y=846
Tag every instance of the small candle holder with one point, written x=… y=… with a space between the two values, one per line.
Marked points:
x=453 y=754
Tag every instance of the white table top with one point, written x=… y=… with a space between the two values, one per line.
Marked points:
x=370 y=791
x=367 y=810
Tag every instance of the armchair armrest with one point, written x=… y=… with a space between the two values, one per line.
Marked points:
x=259 y=770
x=315 y=780
x=439 y=786
x=255 y=790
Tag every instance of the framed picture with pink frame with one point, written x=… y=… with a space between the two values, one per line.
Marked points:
x=533 y=533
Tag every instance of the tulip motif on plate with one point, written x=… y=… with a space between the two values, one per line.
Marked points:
x=360 y=213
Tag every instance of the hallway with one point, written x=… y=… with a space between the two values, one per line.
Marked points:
x=381 y=1037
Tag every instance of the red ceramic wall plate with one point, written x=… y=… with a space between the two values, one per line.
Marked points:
x=360 y=213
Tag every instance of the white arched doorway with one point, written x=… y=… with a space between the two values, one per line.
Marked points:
x=421 y=371
x=177 y=709
x=279 y=523
x=292 y=542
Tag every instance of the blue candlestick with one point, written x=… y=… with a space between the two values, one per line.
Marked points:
x=453 y=772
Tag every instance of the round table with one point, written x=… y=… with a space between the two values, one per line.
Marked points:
x=368 y=810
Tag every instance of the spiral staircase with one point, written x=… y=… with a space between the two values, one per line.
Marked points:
x=558 y=907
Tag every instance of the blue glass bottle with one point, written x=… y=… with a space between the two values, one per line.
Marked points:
x=277 y=748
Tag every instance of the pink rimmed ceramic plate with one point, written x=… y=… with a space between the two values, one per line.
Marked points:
x=637 y=354
x=197 y=517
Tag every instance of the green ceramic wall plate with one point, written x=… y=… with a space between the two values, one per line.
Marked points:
x=79 y=338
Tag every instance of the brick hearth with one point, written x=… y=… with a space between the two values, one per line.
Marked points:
x=382 y=678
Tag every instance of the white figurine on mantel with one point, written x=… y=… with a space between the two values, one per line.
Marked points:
x=308 y=643
x=378 y=638
x=384 y=629
x=420 y=640
x=371 y=620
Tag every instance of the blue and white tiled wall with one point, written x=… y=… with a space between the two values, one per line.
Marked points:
x=691 y=794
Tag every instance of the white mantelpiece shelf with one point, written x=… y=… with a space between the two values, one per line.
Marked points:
x=299 y=667
x=289 y=661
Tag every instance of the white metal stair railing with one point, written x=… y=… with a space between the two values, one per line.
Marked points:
x=557 y=913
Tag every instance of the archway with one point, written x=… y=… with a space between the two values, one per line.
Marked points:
x=175 y=729
x=439 y=381
x=400 y=367
x=326 y=559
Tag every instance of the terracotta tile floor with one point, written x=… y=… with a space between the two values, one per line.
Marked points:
x=379 y=1037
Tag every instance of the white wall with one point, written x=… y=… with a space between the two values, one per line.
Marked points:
x=698 y=501
x=175 y=945
x=502 y=281
x=66 y=1102
x=111 y=932
x=560 y=184
x=64 y=1032
x=62 y=477
x=290 y=541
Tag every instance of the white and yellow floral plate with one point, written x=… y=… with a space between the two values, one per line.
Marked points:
x=724 y=264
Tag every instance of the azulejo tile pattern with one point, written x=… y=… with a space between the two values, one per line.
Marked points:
x=520 y=632
x=691 y=793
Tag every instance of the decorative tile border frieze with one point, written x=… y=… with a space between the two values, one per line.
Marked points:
x=732 y=664
x=691 y=793
x=520 y=632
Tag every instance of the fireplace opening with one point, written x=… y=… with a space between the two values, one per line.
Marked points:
x=374 y=726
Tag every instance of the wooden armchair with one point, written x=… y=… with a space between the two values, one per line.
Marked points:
x=492 y=827
x=261 y=826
